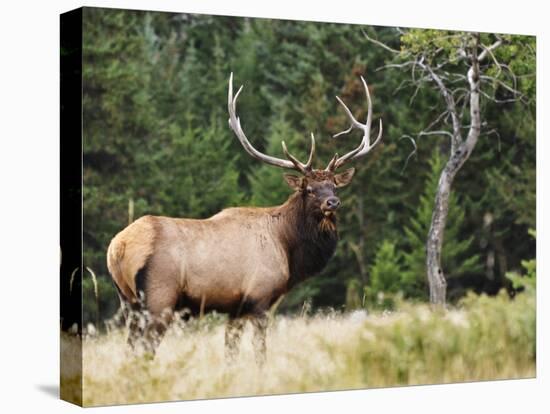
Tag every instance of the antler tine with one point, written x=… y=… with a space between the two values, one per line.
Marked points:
x=304 y=168
x=365 y=145
x=332 y=163
x=235 y=125
x=309 y=162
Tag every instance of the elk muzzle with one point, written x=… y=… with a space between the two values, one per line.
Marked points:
x=330 y=205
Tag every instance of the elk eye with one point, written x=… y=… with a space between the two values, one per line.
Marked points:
x=309 y=190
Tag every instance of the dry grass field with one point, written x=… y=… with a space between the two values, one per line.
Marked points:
x=482 y=339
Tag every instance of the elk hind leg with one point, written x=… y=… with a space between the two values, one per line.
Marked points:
x=130 y=315
x=160 y=305
x=136 y=323
x=156 y=328
x=233 y=333
x=161 y=296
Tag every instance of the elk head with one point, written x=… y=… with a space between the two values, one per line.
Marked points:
x=317 y=186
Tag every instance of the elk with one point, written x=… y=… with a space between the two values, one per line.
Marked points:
x=241 y=260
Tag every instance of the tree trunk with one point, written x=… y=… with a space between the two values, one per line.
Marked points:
x=434 y=244
x=460 y=152
x=436 y=277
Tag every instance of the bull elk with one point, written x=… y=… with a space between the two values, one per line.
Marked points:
x=241 y=260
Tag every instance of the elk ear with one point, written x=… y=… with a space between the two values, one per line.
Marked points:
x=341 y=180
x=293 y=181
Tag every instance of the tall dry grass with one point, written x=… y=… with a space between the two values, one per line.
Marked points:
x=484 y=339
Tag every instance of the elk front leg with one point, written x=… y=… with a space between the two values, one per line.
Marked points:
x=259 y=322
x=233 y=332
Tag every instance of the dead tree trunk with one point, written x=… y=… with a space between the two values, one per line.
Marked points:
x=435 y=64
x=434 y=244
x=460 y=152
x=436 y=278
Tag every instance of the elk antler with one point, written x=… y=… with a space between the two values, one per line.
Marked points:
x=235 y=123
x=365 y=145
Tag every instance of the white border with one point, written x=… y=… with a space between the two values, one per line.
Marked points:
x=29 y=204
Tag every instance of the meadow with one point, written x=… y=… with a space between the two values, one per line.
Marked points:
x=482 y=338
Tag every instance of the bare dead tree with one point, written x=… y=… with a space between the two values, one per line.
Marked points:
x=461 y=80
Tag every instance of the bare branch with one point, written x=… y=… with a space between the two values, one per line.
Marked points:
x=402 y=85
x=453 y=78
x=436 y=120
x=497 y=63
x=395 y=65
x=413 y=68
x=420 y=134
x=379 y=43
x=488 y=50
x=512 y=74
x=411 y=100
x=439 y=132
x=413 y=152
x=501 y=83
x=449 y=99
x=495 y=132
x=500 y=101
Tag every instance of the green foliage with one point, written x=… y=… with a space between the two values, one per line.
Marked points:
x=156 y=135
x=105 y=303
x=527 y=281
x=431 y=43
x=386 y=270
x=385 y=276
x=519 y=53
x=266 y=183
x=193 y=180
x=457 y=257
x=420 y=346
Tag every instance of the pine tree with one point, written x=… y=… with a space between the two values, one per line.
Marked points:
x=386 y=271
x=385 y=276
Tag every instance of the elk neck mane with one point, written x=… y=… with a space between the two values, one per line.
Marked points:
x=309 y=240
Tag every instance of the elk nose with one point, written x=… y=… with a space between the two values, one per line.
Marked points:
x=333 y=203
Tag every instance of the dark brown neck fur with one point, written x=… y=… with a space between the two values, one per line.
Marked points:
x=309 y=241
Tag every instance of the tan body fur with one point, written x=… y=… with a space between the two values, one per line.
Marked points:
x=218 y=263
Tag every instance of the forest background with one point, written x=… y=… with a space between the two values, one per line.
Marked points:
x=156 y=141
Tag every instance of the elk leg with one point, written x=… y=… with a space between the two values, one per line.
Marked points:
x=259 y=322
x=161 y=296
x=156 y=328
x=135 y=325
x=161 y=312
x=123 y=313
x=128 y=316
x=233 y=332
